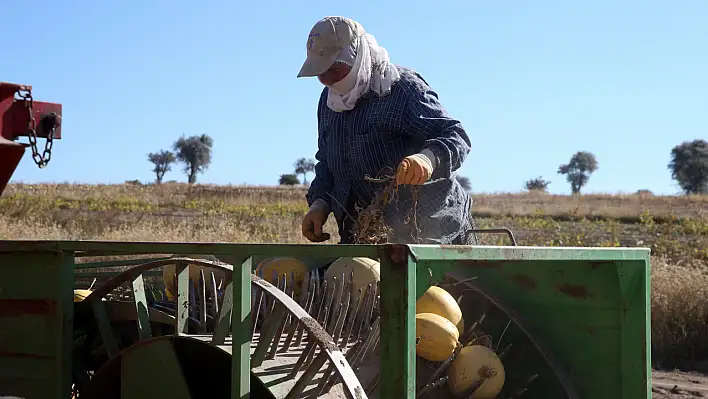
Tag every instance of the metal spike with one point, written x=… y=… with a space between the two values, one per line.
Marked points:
x=202 y=302
x=444 y=366
x=350 y=325
x=296 y=324
x=470 y=331
x=307 y=376
x=257 y=309
x=525 y=386
x=357 y=357
x=336 y=304
x=365 y=320
x=504 y=352
x=430 y=387
x=343 y=313
x=468 y=393
x=283 y=286
x=373 y=384
x=330 y=300
x=310 y=305
x=309 y=349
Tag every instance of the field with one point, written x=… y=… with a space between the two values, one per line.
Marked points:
x=675 y=228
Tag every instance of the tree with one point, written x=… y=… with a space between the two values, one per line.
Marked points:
x=537 y=184
x=289 y=179
x=464 y=182
x=304 y=166
x=689 y=166
x=195 y=153
x=163 y=161
x=578 y=171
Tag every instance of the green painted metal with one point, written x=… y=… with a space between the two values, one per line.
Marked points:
x=158 y=360
x=36 y=312
x=589 y=306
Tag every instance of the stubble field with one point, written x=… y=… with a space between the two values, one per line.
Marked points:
x=675 y=228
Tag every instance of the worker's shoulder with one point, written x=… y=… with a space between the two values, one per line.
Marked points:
x=411 y=80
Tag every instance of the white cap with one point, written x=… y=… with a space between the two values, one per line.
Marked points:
x=327 y=38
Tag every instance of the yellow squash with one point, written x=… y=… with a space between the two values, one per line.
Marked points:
x=437 y=300
x=80 y=295
x=472 y=364
x=291 y=267
x=168 y=274
x=436 y=337
x=366 y=271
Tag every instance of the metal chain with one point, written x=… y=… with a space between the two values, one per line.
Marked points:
x=43 y=159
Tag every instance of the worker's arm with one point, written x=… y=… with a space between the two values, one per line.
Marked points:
x=321 y=185
x=444 y=139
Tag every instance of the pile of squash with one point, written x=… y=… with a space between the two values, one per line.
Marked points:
x=439 y=324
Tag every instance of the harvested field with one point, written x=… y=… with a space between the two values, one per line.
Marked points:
x=675 y=228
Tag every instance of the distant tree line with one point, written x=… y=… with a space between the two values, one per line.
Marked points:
x=193 y=152
x=302 y=166
x=688 y=166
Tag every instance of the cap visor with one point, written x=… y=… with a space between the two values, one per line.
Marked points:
x=316 y=65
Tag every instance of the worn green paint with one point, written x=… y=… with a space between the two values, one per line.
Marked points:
x=115 y=263
x=141 y=308
x=589 y=306
x=398 y=294
x=164 y=380
x=36 y=312
x=241 y=329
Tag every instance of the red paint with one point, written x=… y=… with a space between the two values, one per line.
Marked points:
x=21 y=307
x=524 y=282
x=10 y=155
x=14 y=123
x=14 y=116
x=398 y=253
x=574 y=291
x=4 y=353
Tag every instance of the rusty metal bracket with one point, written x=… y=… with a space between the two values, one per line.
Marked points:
x=22 y=116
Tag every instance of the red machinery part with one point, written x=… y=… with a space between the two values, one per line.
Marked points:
x=22 y=116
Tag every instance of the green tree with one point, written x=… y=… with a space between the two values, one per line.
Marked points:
x=579 y=169
x=289 y=179
x=163 y=161
x=689 y=166
x=537 y=184
x=195 y=153
x=464 y=182
x=303 y=166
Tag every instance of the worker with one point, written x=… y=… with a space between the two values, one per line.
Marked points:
x=374 y=116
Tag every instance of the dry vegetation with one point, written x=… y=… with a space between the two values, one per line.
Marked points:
x=675 y=228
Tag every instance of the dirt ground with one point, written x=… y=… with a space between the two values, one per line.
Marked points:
x=679 y=385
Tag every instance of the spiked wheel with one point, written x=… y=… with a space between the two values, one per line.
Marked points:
x=530 y=370
x=529 y=367
x=119 y=344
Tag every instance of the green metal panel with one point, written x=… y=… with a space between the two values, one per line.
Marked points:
x=36 y=312
x=152 y=370
x=589 y=306
x=398 y=294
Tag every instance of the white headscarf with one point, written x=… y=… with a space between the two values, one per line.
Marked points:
x=371 y=69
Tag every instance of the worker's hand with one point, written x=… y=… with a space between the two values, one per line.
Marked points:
x=414 y=169
x=314 y=220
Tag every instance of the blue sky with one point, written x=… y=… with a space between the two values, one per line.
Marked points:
x=532 y=82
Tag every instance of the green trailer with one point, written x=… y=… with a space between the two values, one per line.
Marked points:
x=565 y=322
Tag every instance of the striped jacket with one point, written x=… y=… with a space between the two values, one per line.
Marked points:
x=372 y=139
